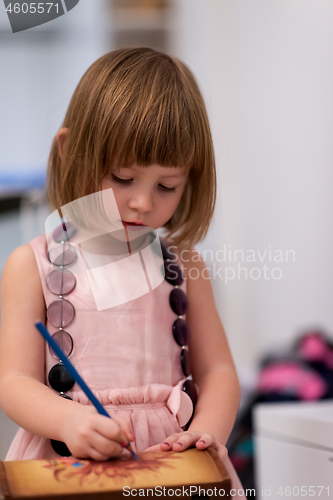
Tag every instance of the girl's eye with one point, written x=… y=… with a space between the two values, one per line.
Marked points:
x=127 y=181
x=164 y=188
x=121 y=181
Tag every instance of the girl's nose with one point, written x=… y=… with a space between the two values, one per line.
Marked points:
x=141 y=201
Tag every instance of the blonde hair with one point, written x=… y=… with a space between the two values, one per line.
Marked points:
x=145 y=107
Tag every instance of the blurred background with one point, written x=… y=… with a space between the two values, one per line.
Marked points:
x=266 y=73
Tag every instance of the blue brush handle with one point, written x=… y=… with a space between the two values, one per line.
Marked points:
x=74 y=374
x=70 y=368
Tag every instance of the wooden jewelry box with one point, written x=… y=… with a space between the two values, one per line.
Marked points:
x=154 y=474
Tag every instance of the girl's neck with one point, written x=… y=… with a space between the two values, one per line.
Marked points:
x=109 y=244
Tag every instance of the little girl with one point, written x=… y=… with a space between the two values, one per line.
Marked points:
x=136 y=124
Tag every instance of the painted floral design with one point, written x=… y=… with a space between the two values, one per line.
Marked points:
x=89 y=471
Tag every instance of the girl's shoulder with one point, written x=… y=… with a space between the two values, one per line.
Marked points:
x=25 y=257
x=21 y=258
x=192 y=263
x=21 y=266
x=198 y=279
x=21 y=273
x=184 y=254
x=21 y=288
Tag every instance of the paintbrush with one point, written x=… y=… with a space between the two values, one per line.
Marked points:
x=75 y=375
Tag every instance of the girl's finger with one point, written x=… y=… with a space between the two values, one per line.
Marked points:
x=109 y=428
x=106 y=446
x=125 y=425
x=204 y=441
x=222 y=450
x=156 y=447
x=186 y=440
x=97 y=455
x=168 y=442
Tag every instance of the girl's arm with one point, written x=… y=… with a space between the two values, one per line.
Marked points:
x=213 y=368
x=24 y=396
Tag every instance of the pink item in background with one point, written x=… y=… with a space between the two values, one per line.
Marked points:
x=314 y=347
x=290 y=377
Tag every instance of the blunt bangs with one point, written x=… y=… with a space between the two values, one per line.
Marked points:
x=151 y=118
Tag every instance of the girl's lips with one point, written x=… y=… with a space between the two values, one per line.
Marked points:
x=133 y=226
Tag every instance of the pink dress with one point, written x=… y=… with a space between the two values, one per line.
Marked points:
x=128 y=357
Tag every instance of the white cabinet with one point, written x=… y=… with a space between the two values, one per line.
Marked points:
x=294 y=450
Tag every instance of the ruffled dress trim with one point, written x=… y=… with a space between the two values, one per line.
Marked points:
x=151 y=396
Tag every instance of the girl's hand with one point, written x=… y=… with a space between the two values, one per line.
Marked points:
x=88 y=434
x=183 y=440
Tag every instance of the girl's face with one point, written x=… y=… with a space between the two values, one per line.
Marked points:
x=146 y=195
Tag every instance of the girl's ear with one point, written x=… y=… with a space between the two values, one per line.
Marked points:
x=61 y=137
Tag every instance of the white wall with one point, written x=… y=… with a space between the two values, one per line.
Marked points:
x=266 y=71
x=40 y=69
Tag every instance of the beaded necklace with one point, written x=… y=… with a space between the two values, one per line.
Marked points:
x=60 y=313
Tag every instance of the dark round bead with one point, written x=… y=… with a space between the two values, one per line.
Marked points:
x=63 y=255
x=61 y=282
x=186 y=426
x=178 y=301
x=64 y=341
x=173 y=273
x=60 y=313
x=65 y=396
x=191 y=390
x=181 y=332
x=59 y=378
x=167 y=255
x=185 y=362
x=60 y=448
x=64 y=232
